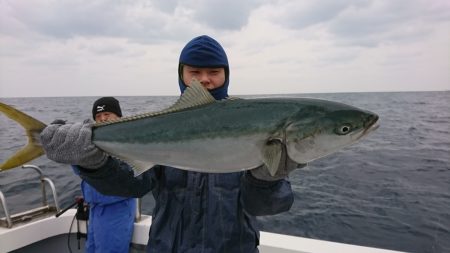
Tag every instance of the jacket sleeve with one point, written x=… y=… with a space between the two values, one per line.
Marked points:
x=116 y=178
x=265 y=197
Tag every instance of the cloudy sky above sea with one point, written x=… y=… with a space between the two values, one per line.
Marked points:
x=131 y=47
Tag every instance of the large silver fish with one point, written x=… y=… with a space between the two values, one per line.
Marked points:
x=201 y=134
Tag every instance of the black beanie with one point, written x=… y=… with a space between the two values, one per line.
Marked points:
x=106 y=104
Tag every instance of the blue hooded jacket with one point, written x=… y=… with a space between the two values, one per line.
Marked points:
x=199 y=212
x=111 y=220
x=205 y=52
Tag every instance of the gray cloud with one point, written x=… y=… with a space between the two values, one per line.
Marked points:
x=138 y=21
x=167 y=6
x=228 y=15
x=302 y=14
x=356 y=22
x=144 y=22
x=65 y=20
x=366 y=23
x=385 y=21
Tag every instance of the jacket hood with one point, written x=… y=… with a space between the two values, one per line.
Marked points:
x=205 y=52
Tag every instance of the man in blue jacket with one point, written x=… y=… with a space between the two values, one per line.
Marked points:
x=194 y=212
x=111 y=218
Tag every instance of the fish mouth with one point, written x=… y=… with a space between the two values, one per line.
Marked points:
x=371 y=125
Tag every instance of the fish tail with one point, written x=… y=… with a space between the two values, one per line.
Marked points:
x=33 y=128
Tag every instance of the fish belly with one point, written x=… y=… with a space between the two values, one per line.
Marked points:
x=211 y=155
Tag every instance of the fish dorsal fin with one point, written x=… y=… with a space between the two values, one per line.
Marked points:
x=193 y=96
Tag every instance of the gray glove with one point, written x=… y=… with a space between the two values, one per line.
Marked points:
x=71 y=144
x=285 y=166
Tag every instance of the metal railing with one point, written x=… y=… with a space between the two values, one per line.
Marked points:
x=5 y=209
x=43 y=180
x=9 y=220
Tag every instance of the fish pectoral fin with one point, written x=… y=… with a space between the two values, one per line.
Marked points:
x=272 y=155
x=140 y=167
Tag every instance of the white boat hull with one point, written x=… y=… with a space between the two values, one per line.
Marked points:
x=24 y=236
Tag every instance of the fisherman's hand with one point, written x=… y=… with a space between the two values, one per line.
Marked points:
x=71 y=144
x=262 y=173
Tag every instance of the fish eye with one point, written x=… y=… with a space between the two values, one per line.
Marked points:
x=344 y=129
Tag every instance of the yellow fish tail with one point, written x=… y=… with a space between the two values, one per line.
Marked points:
x=33 y=128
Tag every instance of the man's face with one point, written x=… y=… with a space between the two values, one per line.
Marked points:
x=105 y=116
x=210 y=78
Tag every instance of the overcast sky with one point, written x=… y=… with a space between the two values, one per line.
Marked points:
x=131 y=47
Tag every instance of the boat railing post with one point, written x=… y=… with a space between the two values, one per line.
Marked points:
x=138 y=209
x=55 y=197
x=5 y=209
x=39 y=171
x=43 y=180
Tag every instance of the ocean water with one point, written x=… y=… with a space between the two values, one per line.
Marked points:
x=391 y=190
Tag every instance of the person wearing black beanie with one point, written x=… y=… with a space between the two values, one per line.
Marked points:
x=111 y=218
x=104 y=106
